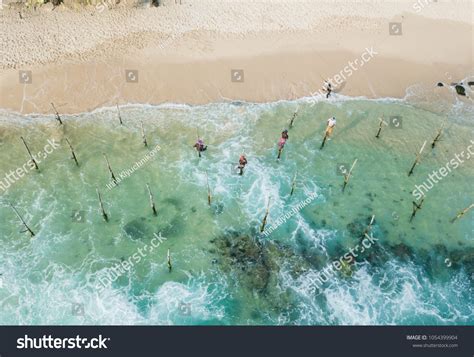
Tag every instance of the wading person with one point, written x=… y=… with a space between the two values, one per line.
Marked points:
x=242 y=163
x=331 y=123
x=200 y=146
x=281 y=145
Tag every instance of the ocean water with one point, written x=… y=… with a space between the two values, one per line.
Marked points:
x=223 y=270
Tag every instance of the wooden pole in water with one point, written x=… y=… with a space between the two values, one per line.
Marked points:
x=293 y=118
x=198 y=148
x=369 y=227
x=23 y=221
x=110 y=169
x=462 y=213
x=72 y=152
x=29 y=153
x=104 y=215
x=169 y=261
x=324 y=140
x=208 y=190
x=293 y=184
x=416 y=207
x=382 y=122
x=119 y=116
x=417 y=160
x=280 y=149
x=264 y=221
x=58 y=118
x=152 y=201
x=348 y=176
x=436 y=139
x=143 y=134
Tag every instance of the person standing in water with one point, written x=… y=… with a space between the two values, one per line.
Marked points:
x=282 y=142
x=200 y=146
x=242 y=163
x=331 y=123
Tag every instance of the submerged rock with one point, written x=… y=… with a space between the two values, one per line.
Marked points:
x=137 y=229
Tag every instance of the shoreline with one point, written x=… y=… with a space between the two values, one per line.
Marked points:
x=193 y=63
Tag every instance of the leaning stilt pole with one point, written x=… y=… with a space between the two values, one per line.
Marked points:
x=369 y=227
x=382 y=122
x=72 y=152
x=416 y=207
x=102 y=210
x=119 y=116
x=112 y=175
x=324 y=140
x=169 y=261
x=462 y=213
x=23 y=221
x=29 y=153
x=293 y=118
x=293 y=184
x=280 y=149
x=208 y=190
x=152 y=201
x=437 y=138
x=348 y=176
x=143 y=135
x=58 y=118
x=417 y=160
x=264 y=221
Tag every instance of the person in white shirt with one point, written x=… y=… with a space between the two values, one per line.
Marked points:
x=331 y=123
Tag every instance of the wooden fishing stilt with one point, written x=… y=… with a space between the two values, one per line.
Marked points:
x=369 y=227
x=72 y=152
x=280 y=149
x=264 y=221
x=437 y=138
x=208 y=190
x=462 y=213
x=417 y=160
x=143 y=135
x=293 y=184
x=198 y=148
x=29 y=153
x=58 y=118
x=102 y=210
x=23 y=221
x=416 y=207
x=347 y=177
x=382 y=122
x=110 y=169
x=119 y=116
x=152 y=201
x=169 y=261
x=293 y=118
x=324 y=140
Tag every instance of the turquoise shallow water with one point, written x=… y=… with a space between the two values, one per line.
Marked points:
x=224 y=271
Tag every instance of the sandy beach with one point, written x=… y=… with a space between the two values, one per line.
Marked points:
x=79 y=58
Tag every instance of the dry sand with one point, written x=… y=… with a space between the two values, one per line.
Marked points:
x=185 y=53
